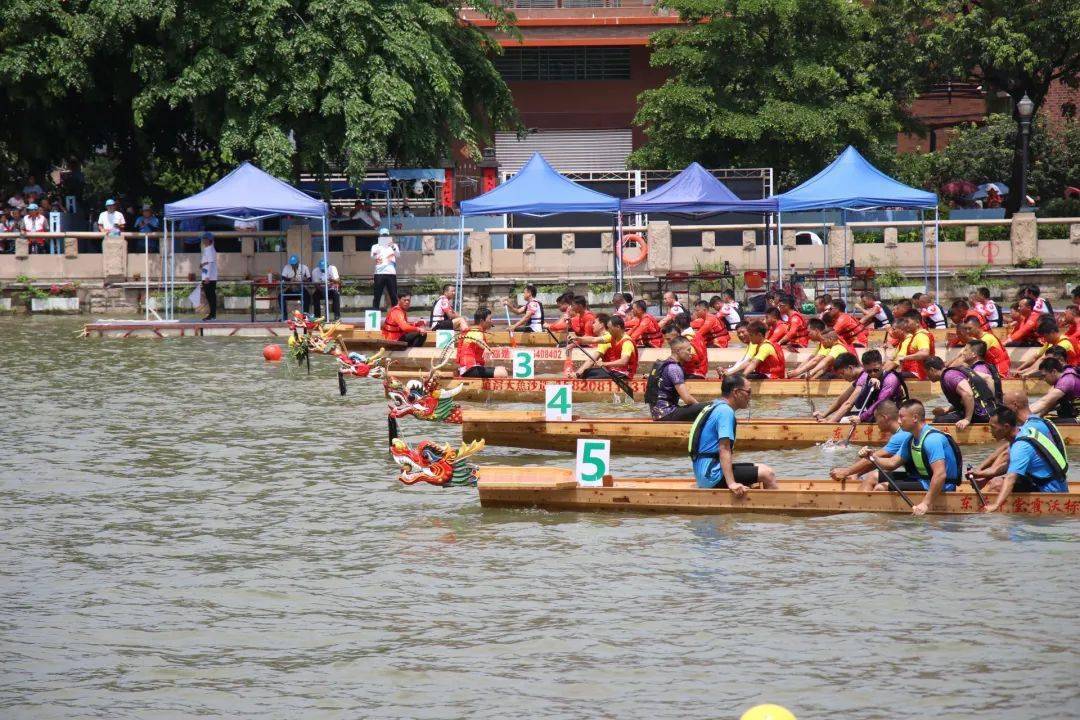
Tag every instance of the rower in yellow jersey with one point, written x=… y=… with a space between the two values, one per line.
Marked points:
x=820 y=364
x=1049 y=335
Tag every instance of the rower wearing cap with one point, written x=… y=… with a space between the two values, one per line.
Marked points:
x=532 y=312
x=473 y=351
x=615 y=353
x=931 y=458
x=1037 y=460
x=887 y=418
x=971 y=399
x=712 y=443
x=1064 y=394
x=1049 y=334
x=643 y=328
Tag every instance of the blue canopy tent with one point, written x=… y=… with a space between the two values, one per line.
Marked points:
x=695 y=192
x=247 y=193
x=537 y=189
x=850 y=182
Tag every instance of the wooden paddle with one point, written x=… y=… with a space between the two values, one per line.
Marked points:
x=975 y=486
x=614 y=377
x=892 y=482
x=510 y=327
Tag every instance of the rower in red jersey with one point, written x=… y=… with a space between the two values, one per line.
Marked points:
x=797 y=335
x=472 y=349
x=705 y=324
x=850 y=331
x=643 y=328
x=616 y=353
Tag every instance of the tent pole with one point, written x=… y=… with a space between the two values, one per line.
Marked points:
x=326 y=267
x=768 y=255
x=780 y=245
x=922 y=240
x=460 y=264
x=618 y=258
x=937 y=254
x=843 y=290
x=169 y=239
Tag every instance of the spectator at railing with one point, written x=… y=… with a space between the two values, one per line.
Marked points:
x=8 y=224
x=35 y=222
x=365 y=213
x=146 y=223
x=111 y=221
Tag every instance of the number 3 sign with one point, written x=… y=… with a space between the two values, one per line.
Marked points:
x=593 y=460
x=524 y=366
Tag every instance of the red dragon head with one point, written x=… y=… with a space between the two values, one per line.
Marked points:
x=435 y=464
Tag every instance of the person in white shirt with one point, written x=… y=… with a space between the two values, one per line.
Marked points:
x=532 y=312
x=208 y=265
x=111 y=221
x=326 y=275
x=35 y=222
x=385 y=253
x=294 y=276
x=674 y=309
x=443 y=316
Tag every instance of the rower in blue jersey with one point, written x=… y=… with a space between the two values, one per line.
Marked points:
x=931 y=458
x=712 y=443
x=1037 y=457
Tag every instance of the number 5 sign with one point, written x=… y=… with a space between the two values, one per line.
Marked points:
x=593 y=460
x=372 y=320
x=524 y=365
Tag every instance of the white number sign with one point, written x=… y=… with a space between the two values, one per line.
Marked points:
x=373 y=320
x=524 y=365
x=593 y=461
x=444 y=338
x=558 y=403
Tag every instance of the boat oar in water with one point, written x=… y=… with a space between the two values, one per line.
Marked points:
x=510 y=327
x=975 y=486
x=614 y=377
x=892 y=482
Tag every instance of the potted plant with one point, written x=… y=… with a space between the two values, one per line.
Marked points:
x=58 y=298
x=352 y=299
x=427 y=291
x=893 y=285
x=236 y=296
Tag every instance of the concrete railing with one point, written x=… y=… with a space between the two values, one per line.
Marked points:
x=1017 y=240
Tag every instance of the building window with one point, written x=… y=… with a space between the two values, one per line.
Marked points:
x=580 y=63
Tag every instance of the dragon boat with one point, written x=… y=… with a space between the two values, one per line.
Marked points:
x=512 y=390
x=550 y=360
x=643 y=436
x=556 y=489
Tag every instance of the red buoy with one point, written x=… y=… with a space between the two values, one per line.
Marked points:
x=272 y=353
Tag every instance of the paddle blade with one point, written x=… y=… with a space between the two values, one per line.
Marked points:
x=623 y=384
x=391 y=429
x=341 y=384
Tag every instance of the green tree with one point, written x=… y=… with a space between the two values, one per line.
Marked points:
x=1012 y=47
x=170 y=88
x=774 y=83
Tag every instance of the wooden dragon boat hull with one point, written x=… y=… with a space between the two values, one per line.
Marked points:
x=555 y=489
x=510 y=390
x=643 y=436
x=550 y=360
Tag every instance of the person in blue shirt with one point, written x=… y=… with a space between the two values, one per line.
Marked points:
x=1037 y=458
x=887 y=418
x=712 y=443
x=931 y=458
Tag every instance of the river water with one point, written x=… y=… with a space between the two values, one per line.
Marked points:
x=188 y=532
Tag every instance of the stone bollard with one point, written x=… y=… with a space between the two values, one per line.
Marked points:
x=1024 y=237
x=569 y=243
x=841 y=245
x=971 y=235
x=607 y=243
x=114 y=258
x=749 y=240
x=71 y=247
x=930 y=236
x=427 y=245
x=788 y=240
x=22 y=247
x=708 y=241
x=528 y=243
x=890 y=235
x=1074 y=233
x=479 y=252
x=658 y=235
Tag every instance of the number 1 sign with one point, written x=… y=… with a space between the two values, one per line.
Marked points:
x=372 y=320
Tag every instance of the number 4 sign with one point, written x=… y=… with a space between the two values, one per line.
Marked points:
x=558 y=403
x=372 y=320
x=593 y=461
x=524 y=366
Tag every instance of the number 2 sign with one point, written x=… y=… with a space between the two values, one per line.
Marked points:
x=593 y=461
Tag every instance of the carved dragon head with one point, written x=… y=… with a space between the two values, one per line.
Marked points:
x=435 y=464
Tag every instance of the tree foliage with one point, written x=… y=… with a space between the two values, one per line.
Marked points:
x=768 y=83
x=173 y=87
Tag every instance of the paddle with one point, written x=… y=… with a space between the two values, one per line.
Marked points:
x=975 y=486
x=891 y=481
x=340 y=375
x=510 y=327
x=392 y=429
x=858 y=412
x=809 y=397
x=614 y=377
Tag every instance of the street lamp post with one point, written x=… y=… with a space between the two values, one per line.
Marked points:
x=1025 y=109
